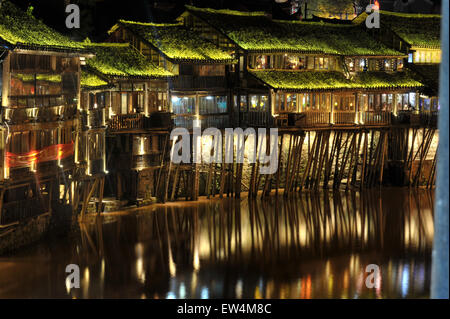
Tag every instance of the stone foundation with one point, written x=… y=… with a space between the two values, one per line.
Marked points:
x=23 y=234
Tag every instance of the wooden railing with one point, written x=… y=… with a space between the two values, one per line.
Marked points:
x=344 y=117
x=429 y=118
x=424 y=118
x=316 y=118
x=220 y=121
x=39 y=114
x=257 y=119
x=375 y=118
x=321 y=118
x=127 y=122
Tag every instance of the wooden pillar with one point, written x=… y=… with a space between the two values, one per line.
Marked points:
x=417 y=106
x=331 y=109
x=6 y=79
x=146 y=106
x=394 y=100
x=79 y=84
x=271 y=108
x=104 y=151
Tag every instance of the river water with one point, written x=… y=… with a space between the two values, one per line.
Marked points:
x=316 y=245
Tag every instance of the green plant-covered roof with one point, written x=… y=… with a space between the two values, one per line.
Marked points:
x=90 y=80
x=418 y=30
x=329 y=9
x=177 y=43
x=381 y=80
x=348 y=40
x=121 y=60
x=254 y=31
x=316 y=80
x=22 y=29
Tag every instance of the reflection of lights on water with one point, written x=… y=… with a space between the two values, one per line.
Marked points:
x=327 y=268
x=172 y=265
x=258 y=293
x=419 y=282
x=405 y=280
x=140 y=273
x=308 y=287
x=85 y=284
x=330 y=285
x=193 y=282
x=260 y=284
x=139 y=249
x=299 y=287
x=102 y=271
x=171 y=295
x=359 y=284
x=378 y=284
x=86 y=274
x=238 y=290
x=196 y=262
x=68 y=285
x=182 y=291
x=204 y=293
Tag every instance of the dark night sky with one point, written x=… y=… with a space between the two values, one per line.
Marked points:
x=97 y=16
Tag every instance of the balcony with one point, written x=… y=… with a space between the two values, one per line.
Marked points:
x=315 y=118
x=344 y=118
x=375 y=118
x=136 y=122
x=39 y=114
x=257 y=119
x=422 y=119
x=128 y=122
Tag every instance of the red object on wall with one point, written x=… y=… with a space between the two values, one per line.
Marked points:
x=49 y=153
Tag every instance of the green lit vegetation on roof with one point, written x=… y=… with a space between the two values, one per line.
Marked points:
x=178 y=43
x=121 y=60
x=339 y=39
x=89 y=80
x=298 y=81
x=375 y=80
x=418 y=30
x=228 y=12
x=20 y=28
x=329 y=9
x=253 y=31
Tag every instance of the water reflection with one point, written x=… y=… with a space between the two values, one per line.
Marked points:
x=311 y=246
